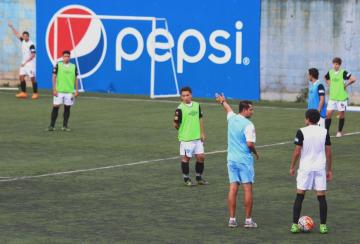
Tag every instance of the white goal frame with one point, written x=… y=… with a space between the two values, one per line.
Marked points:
x=153 y=21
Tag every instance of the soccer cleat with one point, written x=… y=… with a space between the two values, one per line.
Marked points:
x=21 y=95
x=35 y=96
x=295 y=228
x=50 y=128
x=250 y=224
x=232 y=223
x=324 y=229
x=339 y=134
x=65 y=128
x=202 y=181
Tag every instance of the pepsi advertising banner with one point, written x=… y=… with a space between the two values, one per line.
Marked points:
x=153 y=47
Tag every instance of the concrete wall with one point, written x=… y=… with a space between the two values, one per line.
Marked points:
x=298 y=34
x=295 y=35
x=22 y=14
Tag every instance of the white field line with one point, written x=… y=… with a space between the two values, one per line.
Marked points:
x=160 y=101
x=8 y=179
x=8 y=89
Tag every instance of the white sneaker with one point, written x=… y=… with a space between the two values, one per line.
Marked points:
x=339 y=134
x=250 y=224
x=232 y=223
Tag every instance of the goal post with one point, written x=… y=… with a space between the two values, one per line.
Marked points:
x=152 y=72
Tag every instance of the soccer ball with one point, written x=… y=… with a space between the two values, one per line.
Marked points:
x=306 y=224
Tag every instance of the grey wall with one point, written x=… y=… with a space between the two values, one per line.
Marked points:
x=22 y=14
x=298 y=34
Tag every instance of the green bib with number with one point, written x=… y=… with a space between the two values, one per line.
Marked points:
x=65 y=79
x=337 y=86
x=190 y=124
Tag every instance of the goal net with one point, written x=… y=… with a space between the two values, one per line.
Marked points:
x=172 y=89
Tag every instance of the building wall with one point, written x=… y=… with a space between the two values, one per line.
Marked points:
x=295 y=35
x=298 y=34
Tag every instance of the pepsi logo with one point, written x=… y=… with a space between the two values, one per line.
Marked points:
x=80 y=32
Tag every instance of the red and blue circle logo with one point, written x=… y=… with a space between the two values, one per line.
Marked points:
x=77 y=28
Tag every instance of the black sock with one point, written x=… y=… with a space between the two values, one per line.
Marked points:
x=341 y=124
x=323 y=209
x=23 y=85
x=185 y=170
x=327 y=124
x=199 y=169
x=66 y=115
x=297 y=207
x=35 y=87
x=54 y=115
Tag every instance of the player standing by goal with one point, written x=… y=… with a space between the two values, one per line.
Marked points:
x=313 y=147
x=189 y=122
x=65 y=89
x=28 y=63
x=241 y=143
x=338 y=96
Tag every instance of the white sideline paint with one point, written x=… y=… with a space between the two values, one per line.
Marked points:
x=8 y=179
x=353 y=108
x=9 y=88
x=161 y=101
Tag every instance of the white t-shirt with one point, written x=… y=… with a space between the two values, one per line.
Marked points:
x=26 y=49
x=313 y=140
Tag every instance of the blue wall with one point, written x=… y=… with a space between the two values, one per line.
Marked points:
x=237 y=80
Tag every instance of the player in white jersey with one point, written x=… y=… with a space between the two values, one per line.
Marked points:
x=28 y=63
x=313 y=147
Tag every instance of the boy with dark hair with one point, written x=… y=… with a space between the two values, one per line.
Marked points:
x=28 y=63
x=65 y=89
x=338 y=95
x=313 y=147
x=316 y=98
x=189 y=122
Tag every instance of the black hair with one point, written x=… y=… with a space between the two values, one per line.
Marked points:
x=26 y=33
x=66 y=52
x=314 y=72
x=244 y=105
x=337 y=60
x=186 y=88
x=313 y=116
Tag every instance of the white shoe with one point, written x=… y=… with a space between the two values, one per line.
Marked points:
x=250 y=224
x=232 y=223
x=339 y=134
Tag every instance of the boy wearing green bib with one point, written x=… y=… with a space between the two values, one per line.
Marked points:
x=189 y=122
x=65 y=89
x=338 y=80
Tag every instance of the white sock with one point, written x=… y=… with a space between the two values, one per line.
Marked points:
x=248 y=219
x=232 y=219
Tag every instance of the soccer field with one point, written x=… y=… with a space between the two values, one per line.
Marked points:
x=116 y=176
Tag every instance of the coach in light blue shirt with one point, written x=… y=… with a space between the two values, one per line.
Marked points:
x=316 y=99
x=241 y=145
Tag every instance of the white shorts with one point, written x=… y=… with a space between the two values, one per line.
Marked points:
x=337 y=105
x=311 y=180
x=67 y=99
x=321 y=122
x=188 y=148
x=28 y=70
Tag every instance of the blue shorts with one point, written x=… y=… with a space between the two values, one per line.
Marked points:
x=240 y=172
